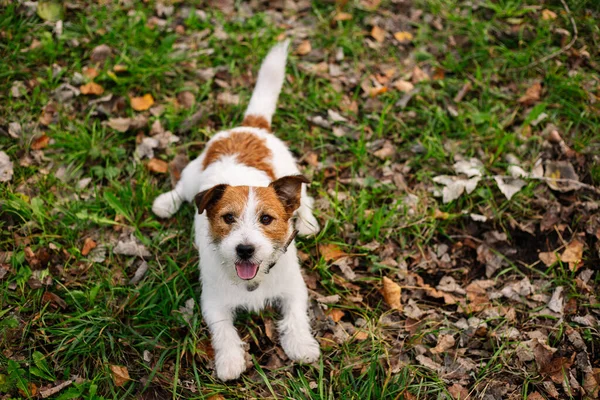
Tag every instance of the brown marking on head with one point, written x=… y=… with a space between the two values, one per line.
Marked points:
x=269 y=206
x=220 y=202
x=288 y=190
x=248 y=149
x=256 y=121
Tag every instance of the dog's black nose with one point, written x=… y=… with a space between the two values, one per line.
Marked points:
x=244 y=251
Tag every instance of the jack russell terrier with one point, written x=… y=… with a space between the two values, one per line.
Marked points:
x=251 y=202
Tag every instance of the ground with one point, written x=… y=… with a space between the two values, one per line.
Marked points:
x=453 y=149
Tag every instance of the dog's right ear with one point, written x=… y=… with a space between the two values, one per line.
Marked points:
x=208 y=198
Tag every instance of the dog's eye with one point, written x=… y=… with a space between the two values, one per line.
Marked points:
x=229 y=219
x=266 y=219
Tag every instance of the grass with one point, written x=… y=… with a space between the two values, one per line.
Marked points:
x=105 y=321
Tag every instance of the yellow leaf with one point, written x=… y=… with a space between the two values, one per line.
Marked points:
x=120 y=374
x=142 y=103
x=391 y=293
x=378 y=34
x=91 y=88
x=342 y=16
x=403 y=36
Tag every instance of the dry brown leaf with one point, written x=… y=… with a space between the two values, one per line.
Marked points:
x=548 y=15
x=120 y=375
x=158 y=166
x=119 y=124
x=91 y=88
x=403 y=86
x=378 y=34
x=573 y=254
x=54 y=300
x=418 y=75
x=361 y=335
x=391 y=293
x=403 y=36
x=40 y=142
x=444 y=343
x=548 y=258
x=458 y=392
x=90 y=72
x=216 y=397
x=304 y=48
x=532 y=94
x=331 y=252
x=535 y=396
x=342 y=16
x=336 y=314
x=88 y=245
x=142 y=103
x=186 y=99
x=373 y=92
x=269 y=328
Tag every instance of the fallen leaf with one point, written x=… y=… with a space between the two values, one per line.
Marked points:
x=186 y=99
x=120 y=375
x=158 y=166
x=88 y=245
x=6 y=167
x=342 y=16
x=535 y=396
x=361 y=335
x=91 y=88
x=100 y=53
x=386 y=151
x=119 y=124
x=444 y=343
x=40 y=142
x=53 y=299
x=378 y=34
x=509 y=186
x=331 y=252
x=14 y=130
x=532 y=94
x=391 y=293
x=336 y=314
x=141 y=103
x=548 y=15
x=548 y=258
x=555 y=170
x=418 y=75
x=51 y=11
x=304 y=48
x=131 y=247
x=118 y=68
x=229 y=99
x=573 y=254
x=176 y=166
x=403 y=86
x=459 y=392
x=403 y=36
x=90 y=72
x=376 y=91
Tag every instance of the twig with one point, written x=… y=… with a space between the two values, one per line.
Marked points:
x=558 y=52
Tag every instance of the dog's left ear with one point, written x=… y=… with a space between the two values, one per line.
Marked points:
x=204 y=200
x=288 y=189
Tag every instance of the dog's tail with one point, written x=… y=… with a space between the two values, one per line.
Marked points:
x=270 y=79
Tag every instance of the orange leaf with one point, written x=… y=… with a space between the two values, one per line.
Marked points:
x=336 y=314
x=373 y=92
x=331 y=252
x=141 y=103
x=391 y=293
x=532 y=94
x=548 y=15
x=378 y=34
x=91 y=88
x=120 y=374
x=88 y=245
x=90 y=72
x=342 y=16
x=40 y=142
x=158 y=166
x=304 y=48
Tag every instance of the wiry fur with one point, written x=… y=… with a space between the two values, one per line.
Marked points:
x=223 y=291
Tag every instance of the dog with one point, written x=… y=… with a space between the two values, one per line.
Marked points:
x=251 y=201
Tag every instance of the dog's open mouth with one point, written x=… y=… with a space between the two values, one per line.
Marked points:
x=246 y=270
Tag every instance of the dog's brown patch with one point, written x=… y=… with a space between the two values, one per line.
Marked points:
x=268 y=203
x=248 y=148
x=232 y=201
x=256 y=121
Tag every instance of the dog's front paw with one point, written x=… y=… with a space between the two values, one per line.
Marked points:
x=166 y=204
x=301 y=348
x=230 y=364
x=307 y=224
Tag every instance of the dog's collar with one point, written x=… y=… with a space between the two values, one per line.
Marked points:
x=283 y=250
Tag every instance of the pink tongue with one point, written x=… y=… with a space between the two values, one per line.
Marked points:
x=246 y=270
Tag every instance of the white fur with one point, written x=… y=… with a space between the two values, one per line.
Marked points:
x=222 y=290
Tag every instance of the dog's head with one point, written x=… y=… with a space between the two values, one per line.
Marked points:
x=250 y=226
